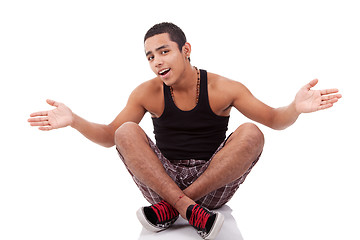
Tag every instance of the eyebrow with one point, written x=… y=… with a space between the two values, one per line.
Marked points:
x=157 y=49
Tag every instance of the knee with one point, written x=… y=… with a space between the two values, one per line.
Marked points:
x=251 y=136
x=126 y=134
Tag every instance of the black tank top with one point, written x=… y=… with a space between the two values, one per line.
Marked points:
x=194 y=134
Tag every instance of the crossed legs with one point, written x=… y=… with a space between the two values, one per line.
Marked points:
x=241 y=149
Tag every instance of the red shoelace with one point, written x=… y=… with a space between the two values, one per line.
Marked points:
x=199 y=217
x=164 y=211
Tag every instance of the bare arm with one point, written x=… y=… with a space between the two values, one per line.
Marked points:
x=284 y=117
x=101 y=134
x=306 y=101
x=98 y=133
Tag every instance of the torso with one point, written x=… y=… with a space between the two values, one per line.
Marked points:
x=186 y=130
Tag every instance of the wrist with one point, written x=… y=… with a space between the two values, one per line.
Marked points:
x=74 y=120
x=295 y=108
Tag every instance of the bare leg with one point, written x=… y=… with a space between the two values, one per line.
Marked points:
x=132 y=143
x=231 y=162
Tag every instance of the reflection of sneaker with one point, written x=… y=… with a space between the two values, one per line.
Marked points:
x=157 y=217
x=207 y=223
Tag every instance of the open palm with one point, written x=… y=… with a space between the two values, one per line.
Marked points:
x=308 y=100
x=59 y=117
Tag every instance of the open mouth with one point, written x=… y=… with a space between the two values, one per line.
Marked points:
x=164 y=71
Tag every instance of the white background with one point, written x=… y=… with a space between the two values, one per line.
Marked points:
x=89 y=55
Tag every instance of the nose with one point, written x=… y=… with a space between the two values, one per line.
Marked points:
x=158 y=62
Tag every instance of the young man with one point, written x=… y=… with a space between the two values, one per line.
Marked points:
x=192 y=167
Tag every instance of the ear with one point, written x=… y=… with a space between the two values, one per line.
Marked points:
x=186 y=49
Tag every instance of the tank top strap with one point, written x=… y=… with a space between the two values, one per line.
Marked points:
x=168 y=102
x=203 y=95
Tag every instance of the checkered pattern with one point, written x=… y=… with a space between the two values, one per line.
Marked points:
x=184 y=173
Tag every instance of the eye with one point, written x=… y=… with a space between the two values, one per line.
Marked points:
x=150 y=58
x=165 y=52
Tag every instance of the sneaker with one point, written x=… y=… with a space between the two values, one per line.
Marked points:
x=206 y=222
x=157 y=217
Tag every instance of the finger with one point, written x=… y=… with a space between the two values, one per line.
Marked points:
x=43 y=123
x=322 y=107
x=331 y=98
x=37 y=114
x=325 y=98
x=52 y=102
x=329 y=91
x=311 y=84
x=39 y=119
x=329 y=101
x=47 y=128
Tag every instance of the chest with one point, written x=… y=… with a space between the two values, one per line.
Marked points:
x=219 y=103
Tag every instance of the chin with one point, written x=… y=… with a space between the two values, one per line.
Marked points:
x=168 y=83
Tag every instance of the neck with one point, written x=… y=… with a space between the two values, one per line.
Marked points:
x=187 y=80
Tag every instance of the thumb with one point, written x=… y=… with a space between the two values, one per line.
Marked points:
x=311 y=84
x=52 y=102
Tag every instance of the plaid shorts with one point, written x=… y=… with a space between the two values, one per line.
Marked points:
x=185 y=172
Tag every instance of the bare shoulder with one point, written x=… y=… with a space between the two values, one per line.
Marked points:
x=145 y=91
x=148 y=87
x=222 y=85
x=222 y=92
x=149 y=95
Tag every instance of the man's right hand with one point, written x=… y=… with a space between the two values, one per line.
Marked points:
x=59 y=117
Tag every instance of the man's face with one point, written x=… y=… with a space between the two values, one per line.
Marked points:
x=165 y=58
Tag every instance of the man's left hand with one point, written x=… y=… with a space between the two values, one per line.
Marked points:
x=308 y=100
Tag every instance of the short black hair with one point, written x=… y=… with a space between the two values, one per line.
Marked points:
x=176 y=34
